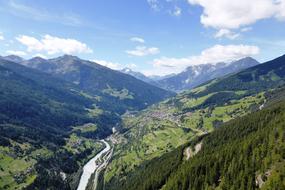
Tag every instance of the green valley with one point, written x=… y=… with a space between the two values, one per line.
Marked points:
x=142 y=95
x=50 y=127
x=244 y=153
x=165 y=126
x=168 y=125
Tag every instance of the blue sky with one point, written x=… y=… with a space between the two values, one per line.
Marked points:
x=152 y=36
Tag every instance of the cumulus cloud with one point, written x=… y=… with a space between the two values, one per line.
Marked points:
x=226 y=33
x=1 y=37
x=225 y=14
x=53 y=45
x=137 y=39
x=111 y=65
x=143 y=51
x=212 y=55
x=19 y=53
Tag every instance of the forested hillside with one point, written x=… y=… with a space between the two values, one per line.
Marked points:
x=245 y=153
x=41 y=100
x=39 y=129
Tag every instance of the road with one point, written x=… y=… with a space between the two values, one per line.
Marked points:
x=96 y=164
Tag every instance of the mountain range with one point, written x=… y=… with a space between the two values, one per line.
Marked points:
x=98 y=80
x=195 y=75
x=191 y=77
x=53 y=111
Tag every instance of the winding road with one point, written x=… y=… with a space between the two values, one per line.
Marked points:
x=96 y=164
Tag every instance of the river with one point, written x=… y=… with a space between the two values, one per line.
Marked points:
x=91 y=166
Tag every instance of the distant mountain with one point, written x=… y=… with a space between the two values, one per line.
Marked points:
x=264 y=76
x=198 y=74
x=157 y=77
x=13 y=58
x=118 y=91
x=137 y=75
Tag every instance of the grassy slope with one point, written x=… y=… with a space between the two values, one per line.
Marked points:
x=166 y=126
x=232 y=157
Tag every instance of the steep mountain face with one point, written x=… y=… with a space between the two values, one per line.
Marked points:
x=119 y=91
x=32 y=98
x=196 y=75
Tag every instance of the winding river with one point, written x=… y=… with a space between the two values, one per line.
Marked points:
x=91 y=166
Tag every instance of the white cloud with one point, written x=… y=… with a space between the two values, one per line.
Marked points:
x=53 y=45
x=212 y=55
x=176 y=12
x=132 y=66
x=19 y=53
x=40 y=55
x=154 y=4
x=35 y=13
x=226 y=33
x=111 y=65
x=226 y=14
x=143 y=51
x=1 y=36
x=137 y=39
x=246 y=29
